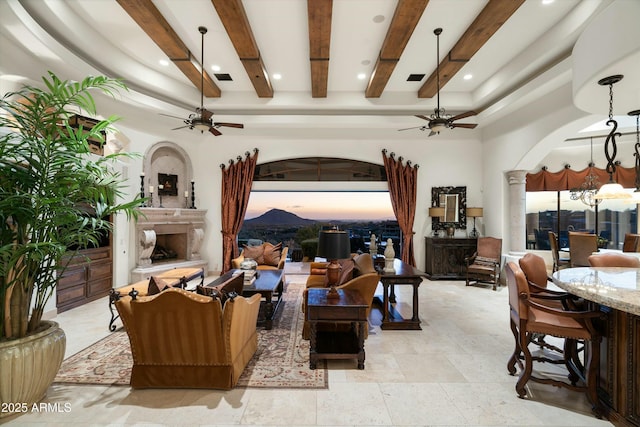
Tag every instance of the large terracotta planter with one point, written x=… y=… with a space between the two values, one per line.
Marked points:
x=28 y=367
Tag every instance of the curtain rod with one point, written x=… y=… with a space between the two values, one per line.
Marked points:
x=598 y=136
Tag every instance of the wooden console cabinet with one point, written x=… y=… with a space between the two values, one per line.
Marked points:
x=445 y=257
x=88 y=277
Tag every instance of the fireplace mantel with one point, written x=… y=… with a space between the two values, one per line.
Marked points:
x=182 y=229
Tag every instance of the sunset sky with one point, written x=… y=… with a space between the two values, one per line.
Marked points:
x=323 y=205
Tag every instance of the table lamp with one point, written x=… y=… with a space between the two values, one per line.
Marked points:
x=333 y=245
x=474 y=213
x=436 y=212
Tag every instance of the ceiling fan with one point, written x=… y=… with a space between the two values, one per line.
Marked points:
x=440 y=120
x=202 y=118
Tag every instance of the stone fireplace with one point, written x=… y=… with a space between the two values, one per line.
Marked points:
x=168 y=238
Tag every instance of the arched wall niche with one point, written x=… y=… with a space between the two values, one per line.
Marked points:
x=168 y=159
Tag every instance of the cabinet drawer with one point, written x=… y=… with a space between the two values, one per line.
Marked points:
x=72 y=277
x=69 y=295
x=99 y=287
x=99 y=270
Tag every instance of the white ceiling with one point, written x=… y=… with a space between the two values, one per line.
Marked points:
x=78 y=37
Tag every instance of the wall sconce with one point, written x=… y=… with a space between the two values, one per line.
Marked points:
x=611 y=190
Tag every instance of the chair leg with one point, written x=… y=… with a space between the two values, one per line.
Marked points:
x=511 y=364
x=570 y=356
x=528 y=362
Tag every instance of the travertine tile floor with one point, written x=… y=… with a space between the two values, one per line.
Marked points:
x=452 y=373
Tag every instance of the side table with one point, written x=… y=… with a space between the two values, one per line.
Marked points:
x=343 y=342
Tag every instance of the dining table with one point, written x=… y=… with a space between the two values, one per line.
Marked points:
x=615 y=291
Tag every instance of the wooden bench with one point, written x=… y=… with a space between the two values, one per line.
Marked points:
x=177 y=277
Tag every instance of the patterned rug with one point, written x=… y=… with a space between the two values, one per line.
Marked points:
x=281 y=360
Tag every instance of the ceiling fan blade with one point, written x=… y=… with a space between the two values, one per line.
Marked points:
x=181 y=127
x=206 y=114
x=463 y=115
x=415 y=127
x=173 y=117
x=215 y=131
x=423 y=117
x=231 y=125
x=463 y=125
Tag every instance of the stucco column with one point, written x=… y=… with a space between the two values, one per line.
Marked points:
x=517 y=214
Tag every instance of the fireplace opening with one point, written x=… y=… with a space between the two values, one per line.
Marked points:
x=170 y=247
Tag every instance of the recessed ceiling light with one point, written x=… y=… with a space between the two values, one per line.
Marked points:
x=215 y=68
x=378 y=19
x=362 y=76
x=468 y=76
x=277 y=76
x=365 y=62
x=164 y=62
x=547 y=1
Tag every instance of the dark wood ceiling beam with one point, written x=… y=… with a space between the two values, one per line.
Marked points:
x=319 y=16
x=149 y=18
x=234 y=19
x=404 y=21
x=490 y=19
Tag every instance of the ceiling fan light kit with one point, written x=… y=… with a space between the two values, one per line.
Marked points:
x=440 y=120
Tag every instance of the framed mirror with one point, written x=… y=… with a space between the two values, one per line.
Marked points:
x=454 y=202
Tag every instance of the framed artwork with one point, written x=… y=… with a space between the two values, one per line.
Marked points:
x=169 y=184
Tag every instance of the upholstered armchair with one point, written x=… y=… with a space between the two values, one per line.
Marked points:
x=268 y=256
x=180 y=339
x=558 y=261
x=581 y=246
x=484 y=265
x=631 y=243
x=355 y=266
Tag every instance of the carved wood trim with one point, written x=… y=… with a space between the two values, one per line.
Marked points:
x=319 y=17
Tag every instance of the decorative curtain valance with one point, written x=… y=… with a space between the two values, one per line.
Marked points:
x=237 y=179
x=568 y=179
x=402 y=181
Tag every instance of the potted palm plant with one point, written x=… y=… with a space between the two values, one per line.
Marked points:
x=48 y=183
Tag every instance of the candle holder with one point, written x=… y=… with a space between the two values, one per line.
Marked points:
x=186 y=199
x=151 y=199
x=160 y=188
x=142 y=189
x=193 y=194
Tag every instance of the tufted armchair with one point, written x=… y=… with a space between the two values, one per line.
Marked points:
x=180 y=339
x=484 y=265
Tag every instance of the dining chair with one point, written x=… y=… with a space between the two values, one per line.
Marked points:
x=529 y=318
x=581 y=246
x=612 y=259
x=631 y=243
x=558 y=261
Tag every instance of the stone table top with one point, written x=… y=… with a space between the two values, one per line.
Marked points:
x=614 y=287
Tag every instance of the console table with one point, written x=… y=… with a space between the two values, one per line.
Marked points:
x=445 y=257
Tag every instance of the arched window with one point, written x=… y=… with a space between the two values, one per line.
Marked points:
x=319 y=169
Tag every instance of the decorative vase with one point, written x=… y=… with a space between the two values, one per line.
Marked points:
x=28 y=367
x=249 y=266
x=451 y=231
x=389 y=255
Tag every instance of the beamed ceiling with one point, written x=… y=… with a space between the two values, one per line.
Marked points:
x=318 y=47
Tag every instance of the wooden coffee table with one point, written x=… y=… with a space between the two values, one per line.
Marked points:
x=269 y=283
x=349 y=310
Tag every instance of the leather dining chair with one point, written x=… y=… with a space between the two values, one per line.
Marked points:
x=614 y=260
x=529 y=318
x=631 y=243
x=581 y=246
x=558 y=261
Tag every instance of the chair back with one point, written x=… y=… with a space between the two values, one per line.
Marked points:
x=366 y=285
x=581 y=247
x=517 y=285
x=490 y=247
x=555 y=249
x=535 y=269
x=614 y=260
x=631 y=243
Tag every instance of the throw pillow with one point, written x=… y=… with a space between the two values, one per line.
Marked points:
x=364 y=264
x=272 y=254
x=156 y=285
x=254 y=252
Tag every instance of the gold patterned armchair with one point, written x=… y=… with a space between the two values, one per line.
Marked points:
x=484 y=265
x=180 y=339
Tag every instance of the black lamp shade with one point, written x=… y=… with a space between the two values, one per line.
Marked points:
x=334 y=244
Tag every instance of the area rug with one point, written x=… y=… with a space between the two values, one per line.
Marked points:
x=281 y=360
